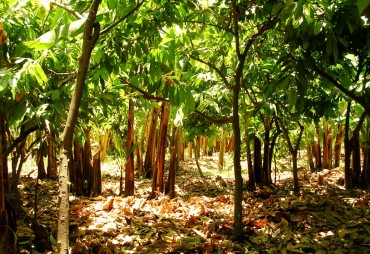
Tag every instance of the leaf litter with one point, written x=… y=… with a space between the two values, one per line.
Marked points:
x=325 y=218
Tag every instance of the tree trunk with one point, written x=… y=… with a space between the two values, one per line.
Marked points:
x=330 y=148
x=338 y=145
x=90 y=36
x=149 y=164
x=347 y=151
x=272 y=147
x=295 y=173
x=356 y=160
x=104 y=145
x=190 y=150
x=221 y=155
x=257 y=161
x=318 y=148
x=266 y=174
x=139 y=156
x=170 y=188
x=309 y=156
x=129 y=168
x=41 y=173
x=8 y=223
x=205 y=145
x=251 y=179
x=52 y=168
x=76 y=174
x=293 y=151
x=158 y=175
x=325 y=145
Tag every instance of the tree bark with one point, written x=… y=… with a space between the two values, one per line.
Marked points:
x=8 y=224
x=221 y=155
x=129 y=168
x=90 y=36
x=158 y=175
x=318 y=158
x=338 y=145
x=347 y=151
x=266 y=172
x=170 y=189
x=52 y=168
x=149 y=164
x=257 y=161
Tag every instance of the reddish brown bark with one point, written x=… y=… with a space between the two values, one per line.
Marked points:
x=41 y=173
x=52 y=169
x=129 y=168
x=310 y=157
x=317 y=150
x=338 y=145
x=158 y=174
x=149 y=163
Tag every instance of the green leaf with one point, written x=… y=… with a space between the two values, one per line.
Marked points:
x=362 y=5
x=52 y=37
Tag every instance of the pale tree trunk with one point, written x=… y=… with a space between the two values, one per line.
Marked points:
x=90 y=36
x=129 y=169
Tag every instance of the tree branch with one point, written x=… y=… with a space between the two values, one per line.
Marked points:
x=214 y=121
x=17 y=141
x=106 y=30
x=266 y=26
x=341 y=88
x=227 y=29
x=144 y=93
x=212 y=66
x=69 y=10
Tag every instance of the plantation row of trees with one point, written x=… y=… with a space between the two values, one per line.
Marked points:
x=129 y=74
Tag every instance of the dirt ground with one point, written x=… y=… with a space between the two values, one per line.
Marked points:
x=325 y=218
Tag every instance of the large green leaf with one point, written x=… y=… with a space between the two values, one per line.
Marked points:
x=362 y=5
x=52 y=37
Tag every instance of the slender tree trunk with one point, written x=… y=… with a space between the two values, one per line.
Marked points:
x=129 y=169
x=205 y=145
x=266 y=175
x=293 y=151
x=90 y=36
x=158 y=175
x=139 y=156
x=356 y=160
x=318 y=148
x=221 y=155
x=251 y=179
x=325 y=152
x=347 y=152
x=330 y=148
x=170 y=188
x=41 y=173
x=104 y=145
x=190 y=150
x=8 y=243
x=87 y=167
x=338 y=145
x=257 y=161
x=272 y=148
x=149 y=164
x=295 y=173
x=309 y=156
x=52 y=168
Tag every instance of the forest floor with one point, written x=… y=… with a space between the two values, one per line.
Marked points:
x=325 y=218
